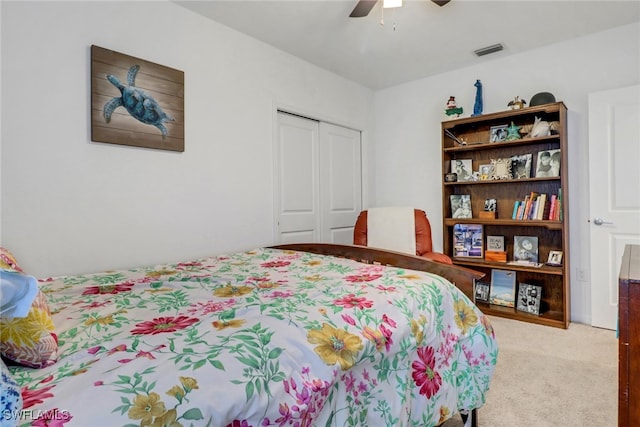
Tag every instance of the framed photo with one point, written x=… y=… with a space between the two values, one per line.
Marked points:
x=521 y=166
x=548 y=163
x=481 y=293
x=461 y=206
x=490 y=205
x=498 y=133
x=501 y=168
x=529 y=297
x=555 y=258
x=467 y=240
x=503 y=288
x=463 y=168
x=485 y=171
x=525 y=249
x=495 y=243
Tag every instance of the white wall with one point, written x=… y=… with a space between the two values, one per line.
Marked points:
x=72 y=206
x=407 y=131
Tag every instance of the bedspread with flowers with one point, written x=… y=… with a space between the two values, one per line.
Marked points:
x=260 y=338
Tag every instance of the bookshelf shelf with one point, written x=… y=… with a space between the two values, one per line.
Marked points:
x=551 y=234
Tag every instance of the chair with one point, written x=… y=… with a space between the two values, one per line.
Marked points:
x=424 y=247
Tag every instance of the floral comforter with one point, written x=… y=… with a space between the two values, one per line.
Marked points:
x=260 y=338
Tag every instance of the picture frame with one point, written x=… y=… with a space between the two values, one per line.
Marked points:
x=463 y=168
x=490 y=205
x=548 y=163
x=503 y=288
x=495 y=243
x=521 y=166
x=525 y=249
x=468 y=240
x=461 y=206
x=481 y=291
x=486 y=171
x=501 y=168
x=555 y=258
x=498 y=133
x=529 y=297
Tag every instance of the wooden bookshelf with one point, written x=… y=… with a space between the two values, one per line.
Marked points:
x=552 y=234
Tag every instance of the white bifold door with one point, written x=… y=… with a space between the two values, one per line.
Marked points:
x=318 y=181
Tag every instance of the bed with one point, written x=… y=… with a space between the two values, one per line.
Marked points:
x=300 y=335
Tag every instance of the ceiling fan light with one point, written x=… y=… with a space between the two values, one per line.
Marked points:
x=387 y=4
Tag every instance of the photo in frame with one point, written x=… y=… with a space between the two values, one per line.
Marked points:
x=136 y=102
x=462 y=168
x=548 y=163
x=482 y=290
x=555 y=258
x=501 y=168
x=486 y=171
x=467 y=240
x=525 y=249
x=503 y=288
x=461 y=206
x=529 y=297
x=521 y=166
x=498 y=133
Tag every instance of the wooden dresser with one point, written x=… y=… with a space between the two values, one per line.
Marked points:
x=629 y=338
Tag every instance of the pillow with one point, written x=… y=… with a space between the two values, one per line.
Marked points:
x=10 y=398
x=8 y=261
x=29 y=340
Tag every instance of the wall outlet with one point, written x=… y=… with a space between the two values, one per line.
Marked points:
x=582 y=275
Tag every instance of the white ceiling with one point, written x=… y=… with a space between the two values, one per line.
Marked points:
x=427 y=39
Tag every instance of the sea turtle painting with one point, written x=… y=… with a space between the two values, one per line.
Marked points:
x=140 y=105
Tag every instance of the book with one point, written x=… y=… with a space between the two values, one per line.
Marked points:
x=529 y=297
x=481 y=293
x=503 y=288
x=468 y=240
x=525 y=249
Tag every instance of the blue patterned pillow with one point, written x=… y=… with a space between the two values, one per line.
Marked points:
x=10 y=398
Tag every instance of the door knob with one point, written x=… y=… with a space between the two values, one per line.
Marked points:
x=600 y=221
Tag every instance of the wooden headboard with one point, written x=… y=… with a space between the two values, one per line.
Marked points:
x=462 y=277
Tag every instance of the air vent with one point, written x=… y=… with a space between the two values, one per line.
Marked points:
x=489 y=49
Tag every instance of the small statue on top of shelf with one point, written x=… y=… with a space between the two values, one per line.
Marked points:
x=452 y=111
x=516 y=104
x=513 y=132
x=477 y=107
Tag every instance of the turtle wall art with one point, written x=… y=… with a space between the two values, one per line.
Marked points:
x=136 y=102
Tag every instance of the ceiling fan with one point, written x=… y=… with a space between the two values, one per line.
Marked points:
x=363 y=7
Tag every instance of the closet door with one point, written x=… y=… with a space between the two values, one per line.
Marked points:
x=318 y=181
x=296 y=180
x=340 y=182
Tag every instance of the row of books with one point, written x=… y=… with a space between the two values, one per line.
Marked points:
x=539 y=206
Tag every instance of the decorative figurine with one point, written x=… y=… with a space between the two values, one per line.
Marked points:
x=513 y=132
x=477 y=107
x=516 y=104
x=540 y=128
x=452 y=111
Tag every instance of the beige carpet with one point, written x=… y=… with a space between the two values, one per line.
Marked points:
x=552 y=377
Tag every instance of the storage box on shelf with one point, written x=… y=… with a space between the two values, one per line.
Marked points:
x=470 y=139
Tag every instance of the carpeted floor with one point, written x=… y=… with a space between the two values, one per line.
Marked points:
x=551 y=377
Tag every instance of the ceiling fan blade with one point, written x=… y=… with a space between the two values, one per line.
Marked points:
x=362 y=8
x=441 y=2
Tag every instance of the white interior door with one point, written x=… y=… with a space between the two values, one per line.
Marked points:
x=340 y=182
x=296 y=180
x=614 y=162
